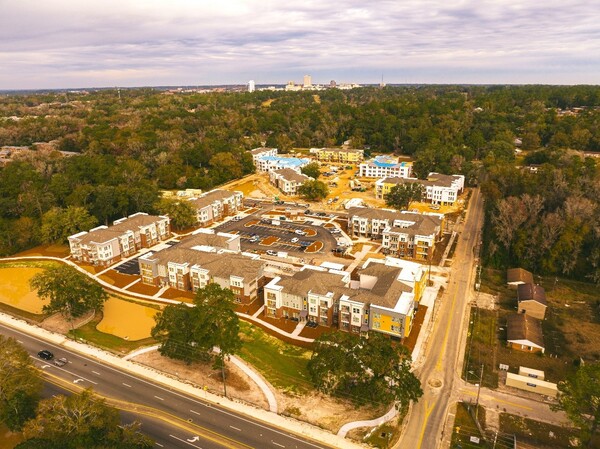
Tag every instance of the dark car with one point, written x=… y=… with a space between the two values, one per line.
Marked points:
x=45 y=354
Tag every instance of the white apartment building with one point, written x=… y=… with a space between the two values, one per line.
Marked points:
x=385 y=166
x=262 y=151
x=438 y=188
x=288 y=180
x=266 y=164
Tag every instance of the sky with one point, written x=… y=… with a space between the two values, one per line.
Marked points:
x=90 y=43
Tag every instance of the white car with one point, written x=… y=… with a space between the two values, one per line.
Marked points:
x=270 y=252
x=295 y=240
x=335 y=231
x=299 y=232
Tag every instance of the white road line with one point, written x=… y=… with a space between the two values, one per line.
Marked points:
x=235 y=428
x=158 y=397
x=277 y=444
x=183 y=441
x=19 y=341
x=158 y=444
x=194 y=411
x=96 y=373
x=127 y=385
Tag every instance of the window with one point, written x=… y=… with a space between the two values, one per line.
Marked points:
x=531 y=385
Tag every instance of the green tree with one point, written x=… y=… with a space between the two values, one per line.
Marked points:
x=313 y=190
x=579 y=398
x=191 y=333
x=401 y=195
x=313 y=170
x=369 y=369
x=181 y=213
x=70 y=292
x=20 y=386
x=82 y=421
x=58 y=224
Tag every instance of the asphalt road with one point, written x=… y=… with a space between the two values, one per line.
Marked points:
x=437 y=374
x=185 y=421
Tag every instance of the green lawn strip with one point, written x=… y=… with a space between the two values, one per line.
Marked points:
x=28 y=264
x=535 y=432
x=480 y=348
x=282 y=364
x=465 y=427
x=113 y=343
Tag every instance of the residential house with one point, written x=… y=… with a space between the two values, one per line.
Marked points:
x=288 y=180
x=105 y=245
x=438 y=188
x=403 y=234
x=524 y=333
x=340 y=155
x=518 y=276
x=384 y=167
x=215 y=205
x=188 y=266
x=532 y=300
x=266 y=164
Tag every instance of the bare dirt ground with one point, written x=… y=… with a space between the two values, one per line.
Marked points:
x=59 y=324
x=239 y=386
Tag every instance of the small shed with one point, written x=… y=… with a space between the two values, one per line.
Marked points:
x=531 y=384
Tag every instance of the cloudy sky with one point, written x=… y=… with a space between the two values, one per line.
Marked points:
x=92 y=43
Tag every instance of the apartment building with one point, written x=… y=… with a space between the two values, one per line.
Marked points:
x=339 y=155
x=105 y=245
x=288 y=180
x=383 y=300
x=438 y=188
x=262 y=151
x=191 y=265
x=265 y=164
x=403 y=234
x=215 y=205
x=384 y=167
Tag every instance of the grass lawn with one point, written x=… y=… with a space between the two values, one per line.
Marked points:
x=571 y=329
x=282 y=364
x=539 y=434
x=465 y=427
x=108 y=341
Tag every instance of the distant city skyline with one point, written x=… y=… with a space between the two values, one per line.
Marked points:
x=69 y=44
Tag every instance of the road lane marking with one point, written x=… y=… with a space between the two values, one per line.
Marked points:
x=158 y=397
x=194 y=411
x=235 y=428
x=19 y=341
x=127 y=385
x=96 y=373
x=193 y=440
x=158 y=444
x=428 y=411
x=277 y=444
x=183 y=441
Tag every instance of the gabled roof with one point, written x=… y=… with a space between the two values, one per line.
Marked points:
x=518 y=275
x=531 y=292
x=210 y=197
x=291 y=175
x=522 y=327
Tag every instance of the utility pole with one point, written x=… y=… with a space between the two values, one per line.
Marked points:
x=478 y=392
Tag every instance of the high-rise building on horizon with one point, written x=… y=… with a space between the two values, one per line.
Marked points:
x=251 y=86
x=307 y=81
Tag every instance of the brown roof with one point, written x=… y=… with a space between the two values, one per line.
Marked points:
x=319 y=282
x=112 y=232
x=423 y=224
x=210 y=197
x=387 y=289
x=434 y=179
x=531 y=292
x=524 y=327
x=205 y=239
x=256 y=151
x=292 y=175
x=100 y=236
x=519 y=275
x=136 y=221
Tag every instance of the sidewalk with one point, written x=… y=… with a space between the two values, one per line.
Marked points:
x=298 y=427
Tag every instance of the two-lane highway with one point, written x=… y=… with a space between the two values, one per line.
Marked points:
x=187 y=418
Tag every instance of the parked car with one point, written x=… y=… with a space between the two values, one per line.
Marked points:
x=61 y=362
x=307 y=212
x=254 y=239
x=335 y=231
x=295 y=240
x=270 y=252
x=299 y=232
x=45 y=354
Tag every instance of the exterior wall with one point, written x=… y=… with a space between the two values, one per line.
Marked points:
x=352 y=316
x=330 y=155
x=525 y=347
x=531 y=384
x=389 y=322
x=369 y=170
x=533 y=308
x=320 y=309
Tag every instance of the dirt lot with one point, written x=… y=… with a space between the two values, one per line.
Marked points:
x=15 y=291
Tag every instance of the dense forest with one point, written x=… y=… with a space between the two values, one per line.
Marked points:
x=134 y=142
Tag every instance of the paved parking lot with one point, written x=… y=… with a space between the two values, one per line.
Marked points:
x=254 y=229
x=129 y=267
